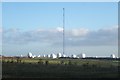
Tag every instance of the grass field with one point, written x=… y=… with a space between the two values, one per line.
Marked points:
x=59 y=68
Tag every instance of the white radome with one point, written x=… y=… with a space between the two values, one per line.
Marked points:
x=112 y=55
x=59 y=55
x=38 y=56
x=53 y=56
x=33 y=56
x=21 y=55
x=44 y=55
x=81 y=55
x=63 y=55
x=30 y=55
x=48 y=56
x=73 y=56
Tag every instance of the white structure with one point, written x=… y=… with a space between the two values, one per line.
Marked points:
x=38 y=56
x=30 y=55
x=21 y=55
x=112 y=55
x=44 y=55
x=33 y=56
x=117 y=57
x=73 y=56
x=63 y=55
x=59 y=55
x=81 y=55
x=53 y=56
x=48 y=56
x=96 y=56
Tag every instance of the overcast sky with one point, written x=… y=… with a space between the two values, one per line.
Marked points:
x=90 y=28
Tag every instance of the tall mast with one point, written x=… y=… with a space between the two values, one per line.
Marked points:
x=63 y=31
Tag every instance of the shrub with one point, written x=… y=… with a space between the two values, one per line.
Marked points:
x=61 y=62
x=12 y=61
x=19 y=60
x=8 y=61
x=46 y=62
x=69 y=62
x=40 y=61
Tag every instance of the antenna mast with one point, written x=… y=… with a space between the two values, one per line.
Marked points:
x=63 y=31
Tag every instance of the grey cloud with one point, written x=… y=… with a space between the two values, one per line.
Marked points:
x=53 y=37
x=18 y=37
x=95 y=38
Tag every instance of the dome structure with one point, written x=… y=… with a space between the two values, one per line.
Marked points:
x=53 y=56
x=112 y=55
x=96 y=56
x=38 y=56
x=73 y=56
x=63 y=55
x=81 y=55
x=21 y=55
x=29 y=55
x=59 y=55
x=44 y=55
x=48 y=56
x=33 y=56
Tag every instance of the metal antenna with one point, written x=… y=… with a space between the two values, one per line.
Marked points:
x=63 y=30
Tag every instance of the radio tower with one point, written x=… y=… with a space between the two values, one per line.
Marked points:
x=63 y=31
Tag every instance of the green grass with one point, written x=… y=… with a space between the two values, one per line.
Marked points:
x=60 y=68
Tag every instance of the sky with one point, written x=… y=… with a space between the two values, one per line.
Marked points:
x=90 y=28
x=60 y=0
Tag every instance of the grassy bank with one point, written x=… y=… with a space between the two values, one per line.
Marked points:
x=59 y=68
